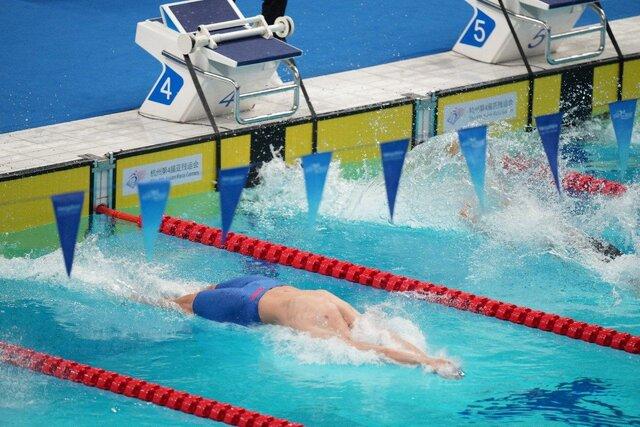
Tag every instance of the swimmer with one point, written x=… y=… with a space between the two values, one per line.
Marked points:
x=519 y=163
x=253 y=300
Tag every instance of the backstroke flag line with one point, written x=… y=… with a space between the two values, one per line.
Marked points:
x=393 y=154
x=231 y=182
x=153 y=201
x=473 y=144
x=623 y=114
x=549 y=127
x=68 y=209
x=315 y=168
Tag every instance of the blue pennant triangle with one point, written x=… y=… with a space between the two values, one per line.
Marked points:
x=549 y=128
x=393 y=154
x=153 y=201
x=68 y=210
x=231 y=182
x=473 y=144
x=315 y=168
x=623 y=114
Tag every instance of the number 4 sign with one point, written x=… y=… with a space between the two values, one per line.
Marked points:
x=479 y=30
x=167 y=87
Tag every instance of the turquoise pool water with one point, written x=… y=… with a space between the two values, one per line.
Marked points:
x=527 y=250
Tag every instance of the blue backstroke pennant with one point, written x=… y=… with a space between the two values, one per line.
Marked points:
x=549 y=128
x=315 y=168
x=68 y=209
x=623 y=114
x=231 y=182
x=153 y=201
x=393 y=154
x=473 y=144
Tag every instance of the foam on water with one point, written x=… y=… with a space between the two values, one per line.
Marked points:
x=110 y=285
x=94 y=270
x=435 y=188
x=375 y=326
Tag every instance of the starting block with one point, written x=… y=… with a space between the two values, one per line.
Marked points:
x=235 y=58
x=539 y=25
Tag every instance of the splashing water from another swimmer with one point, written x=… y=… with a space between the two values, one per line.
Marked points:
x=501 y=196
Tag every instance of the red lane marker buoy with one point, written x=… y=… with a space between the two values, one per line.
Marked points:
x=136 y=388
x=581 y=183
x=573 y=182
x=332 y=267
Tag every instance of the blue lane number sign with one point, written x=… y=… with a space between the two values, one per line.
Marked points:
x=167 y=88
x=479 y=30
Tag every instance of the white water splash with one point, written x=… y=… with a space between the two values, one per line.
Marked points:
x=96 y=271
x=373 y=327
x=435 y=189
x=123 y=280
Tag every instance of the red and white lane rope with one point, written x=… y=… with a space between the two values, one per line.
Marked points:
x=332 y=267
x=573 y=182
x=580 y=183
x=136 y=388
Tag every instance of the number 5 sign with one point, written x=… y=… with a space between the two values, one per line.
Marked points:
x=167 y=87
x=479 y=30
x=537 y=39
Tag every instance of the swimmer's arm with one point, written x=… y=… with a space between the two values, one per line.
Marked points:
x=404 y=357
x=158 y=302
x=442 y=367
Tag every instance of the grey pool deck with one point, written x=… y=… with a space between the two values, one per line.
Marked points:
x=50 y=145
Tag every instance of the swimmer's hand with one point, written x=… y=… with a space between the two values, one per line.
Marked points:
x=445 y=369
x=453 y=149
x=467 y=215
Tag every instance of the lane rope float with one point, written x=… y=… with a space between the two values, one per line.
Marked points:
x=573 y=182
x=332 y=267
x=581 y=183
x=135 y=388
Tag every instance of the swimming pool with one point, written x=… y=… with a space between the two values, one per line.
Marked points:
x=523 y=251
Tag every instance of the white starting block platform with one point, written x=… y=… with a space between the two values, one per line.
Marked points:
x=541 y=27
x=363 y=89
x=235 y=58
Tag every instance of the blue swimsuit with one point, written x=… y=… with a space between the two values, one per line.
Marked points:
x=234 y=301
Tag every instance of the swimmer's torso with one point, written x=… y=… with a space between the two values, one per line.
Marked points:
x=310 y=311
x=256 y=299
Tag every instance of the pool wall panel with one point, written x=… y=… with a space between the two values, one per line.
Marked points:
x=355 y=137
x=631 y=85
x=452 y=108
x=25 y=202
x=266 y=142
x=298 y=142
x=133 y=168
x=546 y=98
x=576 y=94
x=236 y=152
x=605 y=87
